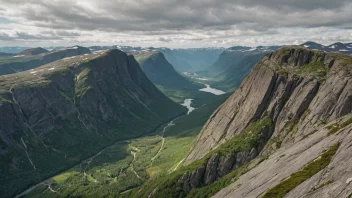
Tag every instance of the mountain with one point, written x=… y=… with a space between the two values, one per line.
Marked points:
x=3 y=54
x=345 y=48
x=185 y=60
x=234 y=64
x=122 y=48
x=56 y=115
x=160 y=71
x=12 y=50
x=13 y=64
x=33 y=51
x=285 y=132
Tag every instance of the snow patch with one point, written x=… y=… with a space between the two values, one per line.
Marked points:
x=18 y=56
x=51 y=68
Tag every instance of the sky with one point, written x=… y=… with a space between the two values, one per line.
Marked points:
x=173 y=23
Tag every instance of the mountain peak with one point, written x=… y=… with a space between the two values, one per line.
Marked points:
x=33 y=51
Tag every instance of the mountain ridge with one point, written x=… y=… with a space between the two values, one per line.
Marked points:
x=63 y=112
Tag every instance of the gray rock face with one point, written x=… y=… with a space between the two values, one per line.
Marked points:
x=216 y=167
x=304 y=92
x=332 y=181
x=293 y=99
x=210 y=171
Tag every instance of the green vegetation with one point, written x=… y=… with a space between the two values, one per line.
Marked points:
x=323 y=184
x=114 y=172
x=337 y=126
x=317 y=67
x=170 y=185
x=299 y=177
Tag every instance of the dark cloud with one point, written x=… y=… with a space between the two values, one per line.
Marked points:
x=136 y=15
x=171 y=21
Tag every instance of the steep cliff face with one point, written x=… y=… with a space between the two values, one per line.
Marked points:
x=287 y=131
x=54 y=116
x=35 y=57
x=299 y=89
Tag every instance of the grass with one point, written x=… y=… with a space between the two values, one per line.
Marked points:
x=299 y=177
x=318 y=68
x=110 y=173
x=64 y=176
x=336 y=127
x=170 y=185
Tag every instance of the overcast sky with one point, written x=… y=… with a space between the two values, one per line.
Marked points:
x=174 y=23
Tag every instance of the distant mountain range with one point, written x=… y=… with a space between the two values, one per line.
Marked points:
x=345 y=48
x=35 y=57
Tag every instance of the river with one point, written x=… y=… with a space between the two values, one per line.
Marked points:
x=212 y=90
x=187 y=103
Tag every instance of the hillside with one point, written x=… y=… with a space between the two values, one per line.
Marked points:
x=193 y=59
x=160 y=71
x=33 y=51
x=59 y=114
x=286 y=131
x=17 y=63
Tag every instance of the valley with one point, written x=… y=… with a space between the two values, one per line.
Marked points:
x=184 y=136
x=128 y=164
x=175 y=99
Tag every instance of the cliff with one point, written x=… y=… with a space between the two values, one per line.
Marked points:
x=298 y=88
x=286 y=131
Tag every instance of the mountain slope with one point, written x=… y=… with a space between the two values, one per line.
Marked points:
x=61 y=113
x=161 y=72
x=287 y=130
x=17 y=63
x=193 y=59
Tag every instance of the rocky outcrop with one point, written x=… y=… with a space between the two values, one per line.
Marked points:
x=33 y=58
x=215 y=168
x=54 y=116
x=299 y=89
x=308 y=95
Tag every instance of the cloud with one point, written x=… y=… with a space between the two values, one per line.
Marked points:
x=174 y=22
